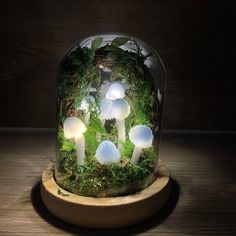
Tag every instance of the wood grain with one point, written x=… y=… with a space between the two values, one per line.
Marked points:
x=105 y=213
x=203 y=195
x=193 y=38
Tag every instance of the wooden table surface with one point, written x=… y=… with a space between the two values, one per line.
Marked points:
x=203 y=197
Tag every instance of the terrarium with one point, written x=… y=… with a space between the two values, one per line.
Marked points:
x=110 y=97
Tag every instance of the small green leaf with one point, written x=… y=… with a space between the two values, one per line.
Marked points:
x=119 y=41
x=113 y=55
x=96 y=43
x=113 y=48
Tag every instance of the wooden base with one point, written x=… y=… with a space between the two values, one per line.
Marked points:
x=105 y=212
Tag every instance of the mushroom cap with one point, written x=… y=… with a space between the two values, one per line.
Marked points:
x=107 y=84
x=86 y=101
x=107 y=153
x=105 y=109
x=141 y=136
x=73 y=127
x=120 y=109
x=115 y=91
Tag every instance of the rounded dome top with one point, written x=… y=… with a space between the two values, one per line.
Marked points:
x=141 y=136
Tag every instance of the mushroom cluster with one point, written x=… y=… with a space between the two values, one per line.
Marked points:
x=112 y=106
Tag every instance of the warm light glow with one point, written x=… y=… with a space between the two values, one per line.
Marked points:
x=73 y=127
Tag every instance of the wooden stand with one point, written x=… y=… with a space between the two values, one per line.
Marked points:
x=105 y=212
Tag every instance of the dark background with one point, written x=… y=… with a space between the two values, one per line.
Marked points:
x=193 y=38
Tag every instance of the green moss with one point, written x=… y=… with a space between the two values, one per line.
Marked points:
x=93 y=178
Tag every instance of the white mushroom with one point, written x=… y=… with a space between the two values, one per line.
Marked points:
x=107 y=153
x=107 y=84
x=105 y=110
x=86 y=102
x=141 y=136
x=120 y=109
x=75 y=128
x=115 y=91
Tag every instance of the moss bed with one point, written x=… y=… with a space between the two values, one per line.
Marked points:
x=80 y=75
x=97 y=180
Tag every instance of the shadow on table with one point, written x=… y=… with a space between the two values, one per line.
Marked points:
x=148 y=224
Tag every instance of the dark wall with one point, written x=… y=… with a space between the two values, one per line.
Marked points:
x=193 y=37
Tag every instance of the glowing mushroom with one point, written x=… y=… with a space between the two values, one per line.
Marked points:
x=120 y=109
x=107 y=153
x=75 y=128
x=141 y=136
x=115 y=91
x=86 y=102
x=105 y=110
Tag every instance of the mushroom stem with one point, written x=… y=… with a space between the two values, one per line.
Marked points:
x=87 y=118
x=121 y=131
x=136 y=155
x=80 y=146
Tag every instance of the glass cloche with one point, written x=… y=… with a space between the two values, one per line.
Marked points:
x=110 y=96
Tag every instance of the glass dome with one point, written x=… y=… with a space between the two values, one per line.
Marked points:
x=110 y=96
